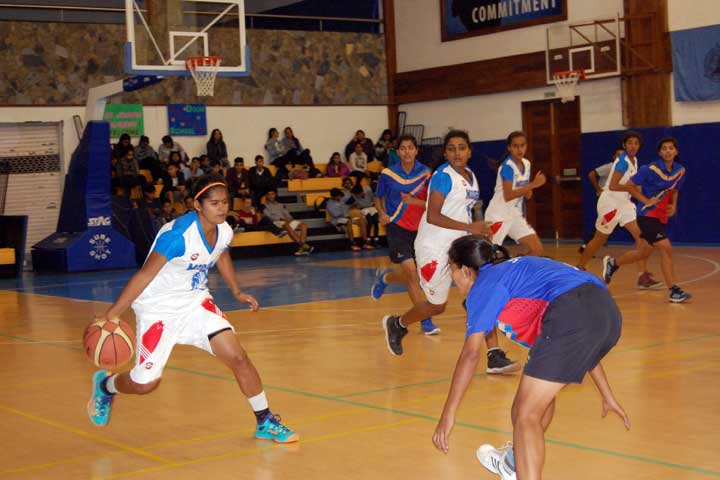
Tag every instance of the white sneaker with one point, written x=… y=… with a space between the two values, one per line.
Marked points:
x=494 y=460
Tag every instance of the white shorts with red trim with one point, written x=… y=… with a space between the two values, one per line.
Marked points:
x=158 y=334
x=515 y=227
x=434 y=272
x=612 y=213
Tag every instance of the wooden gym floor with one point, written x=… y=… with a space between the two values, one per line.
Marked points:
x=360 y=412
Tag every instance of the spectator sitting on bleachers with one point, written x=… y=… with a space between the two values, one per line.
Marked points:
x=248 y=219
x=216 y=169
x=342 y=219
x=167 y=214
x=189 y=204
x=168 y=146
x=124 y=144
x=216 y=149
x=347 y=186
x=204 y=163
x=277 y=152
x=238 y=179
x=128 y=172
x=147 y=158
x=173 y=184
x=358 y=163
x=336 y=167
x=261 y=180
x=195 y=169
x=366 y=143
x=384 y=146
x=278 y=213
x=365 y=202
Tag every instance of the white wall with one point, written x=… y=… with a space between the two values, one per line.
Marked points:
x=322 y=129
x=417 y=30
x=682 y=15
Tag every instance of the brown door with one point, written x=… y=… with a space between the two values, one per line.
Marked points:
x=553 y=130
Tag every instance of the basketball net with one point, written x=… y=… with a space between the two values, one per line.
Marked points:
x=204 y=70
x=566 y=83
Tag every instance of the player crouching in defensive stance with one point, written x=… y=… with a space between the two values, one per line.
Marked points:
x=172 y=306
x=565 y=316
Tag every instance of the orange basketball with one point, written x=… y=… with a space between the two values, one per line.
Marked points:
x=109 y=344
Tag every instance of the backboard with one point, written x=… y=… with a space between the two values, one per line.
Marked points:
x=162 y=34
x=592 y=46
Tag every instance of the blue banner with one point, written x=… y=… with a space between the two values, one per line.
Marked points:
x=464 y=18
x=185 y=119
x=696 y=64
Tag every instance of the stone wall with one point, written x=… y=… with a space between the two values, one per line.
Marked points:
x=56 y=63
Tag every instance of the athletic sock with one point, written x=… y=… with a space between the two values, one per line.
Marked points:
x=260 y=415
x=400 y=322
x=107 y=386
x=259 y=405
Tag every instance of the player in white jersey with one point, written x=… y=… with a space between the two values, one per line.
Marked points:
x=512 y=188
x=614 y=206
x=173 y=306
x=452 y=193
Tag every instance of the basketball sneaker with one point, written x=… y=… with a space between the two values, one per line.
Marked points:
x=271 y=429
x=98 y=407
x=499 y=461
x=429 y=328
x=647 y=282
x=394 y=333
x=499 y=363
x=378 y=288
x=609 y=267
x=678 y=295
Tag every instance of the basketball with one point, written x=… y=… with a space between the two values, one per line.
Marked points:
x=109 y=344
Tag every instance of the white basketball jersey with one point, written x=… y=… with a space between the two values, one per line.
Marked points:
x=460 y=196
x=182 y=282
x=499 y=209
x=628 y=167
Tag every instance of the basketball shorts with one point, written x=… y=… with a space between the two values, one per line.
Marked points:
x=434 y=272
x=611 y=213
x=158 y=334
x=515 y=227
x=651 y=229
x=578 y=329
x=401 y=243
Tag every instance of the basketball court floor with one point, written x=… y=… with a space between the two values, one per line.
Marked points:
x=361 y=413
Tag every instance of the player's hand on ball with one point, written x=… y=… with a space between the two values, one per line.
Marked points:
x=249 y=299
x=441 y=437
x=481 y=228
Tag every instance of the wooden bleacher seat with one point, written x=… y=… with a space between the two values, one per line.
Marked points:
x=147 y=175
x=158 y=190
x=7 y=256
x=314 y=184
x=322 y=167
x=272 y=168
x=375 y=166
x=249 y=239
x=313 y=197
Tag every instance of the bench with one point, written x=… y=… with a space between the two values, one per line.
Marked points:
x=250 y=239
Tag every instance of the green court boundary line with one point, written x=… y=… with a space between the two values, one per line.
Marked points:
x=638 y=458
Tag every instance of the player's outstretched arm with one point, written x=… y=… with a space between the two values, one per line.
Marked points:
x=136 y=285
x=227 y=272
x=609 y=403
x=464 y=371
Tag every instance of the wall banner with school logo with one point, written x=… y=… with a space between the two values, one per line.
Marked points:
x=186 y=119
x=467 y=18
x=125 y=118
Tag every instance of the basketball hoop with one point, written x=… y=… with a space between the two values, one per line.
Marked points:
x=566 y=83
x=204 y=70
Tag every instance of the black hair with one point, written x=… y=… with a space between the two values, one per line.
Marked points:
x=167 y=201
x=205 y=180
x=259 y=157
x=357 y=188
x=333 y=154
x=240 y=160
x=271 y=131
x=455 y=134
x=143 y=138
x=212 y=134
x=406 y=137
x=335 y=192
x=672 y=140
x=386 y=131
x=631 y=134
x=167 y=139
x=473 y=252
x=514 y=135
x=124 y=136
x=273 y=190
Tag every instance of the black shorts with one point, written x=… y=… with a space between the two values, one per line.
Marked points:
x=401 y=243
x=578 y=329
x=651 y=229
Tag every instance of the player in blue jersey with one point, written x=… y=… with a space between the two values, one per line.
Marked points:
x=172 y=305
x=566 y=317
x=400 y=199
x=661 y=181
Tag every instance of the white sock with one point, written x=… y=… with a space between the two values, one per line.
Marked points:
x=258 y=402
x=110 y=384
x=400 y=323
x=491 y=349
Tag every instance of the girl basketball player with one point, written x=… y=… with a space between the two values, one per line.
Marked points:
x=172 y=306
x=400 y=200
x=661 y=181
x=453 y=192
x=512 y=188
x=567 y=318
x=614 y=206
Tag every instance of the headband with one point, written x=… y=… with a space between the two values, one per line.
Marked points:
x=208 y=187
